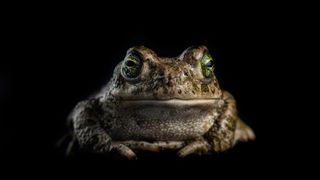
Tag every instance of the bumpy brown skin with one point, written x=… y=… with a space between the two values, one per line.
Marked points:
x=171 y=105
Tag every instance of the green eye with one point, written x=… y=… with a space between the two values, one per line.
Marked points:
x=207 y=65
x=131 y=67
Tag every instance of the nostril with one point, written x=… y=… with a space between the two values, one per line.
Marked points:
x=185 y=73
x=161 y=73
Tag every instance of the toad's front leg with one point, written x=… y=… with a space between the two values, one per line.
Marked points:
x=195 y=147
x=229 y=128
x=221 y=135
x=89 y=133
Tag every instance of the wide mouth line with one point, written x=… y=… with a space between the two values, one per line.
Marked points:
x=171 y=101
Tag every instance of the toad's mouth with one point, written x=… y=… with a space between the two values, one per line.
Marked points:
x=175 y=102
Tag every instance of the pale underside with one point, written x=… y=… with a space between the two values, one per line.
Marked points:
x=164 y=120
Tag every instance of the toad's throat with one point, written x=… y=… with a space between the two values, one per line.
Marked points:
x=173 y=119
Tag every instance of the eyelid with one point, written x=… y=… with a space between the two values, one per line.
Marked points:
x=134 y=58
x=209 y=57
x=136 y=54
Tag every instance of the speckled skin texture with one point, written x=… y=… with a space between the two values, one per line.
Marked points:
x=170 y=105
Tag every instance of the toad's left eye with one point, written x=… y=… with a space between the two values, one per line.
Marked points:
x=131 y=67
x=207 y=65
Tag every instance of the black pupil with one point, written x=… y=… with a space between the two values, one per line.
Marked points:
x=210 y=63
x=130 y=63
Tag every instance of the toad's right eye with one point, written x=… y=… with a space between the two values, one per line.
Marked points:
x=131 y=67
x=207 y=65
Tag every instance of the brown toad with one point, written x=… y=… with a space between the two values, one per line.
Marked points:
x=153 y=103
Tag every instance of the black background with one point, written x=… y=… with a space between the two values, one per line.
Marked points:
x=57 y=57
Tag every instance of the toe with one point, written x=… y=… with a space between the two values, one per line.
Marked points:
x=124 y=151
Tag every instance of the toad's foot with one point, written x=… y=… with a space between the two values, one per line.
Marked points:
x=243 y=132
x=126 y=148
x=195 y=147
x=123 y=151
x=153 y=146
